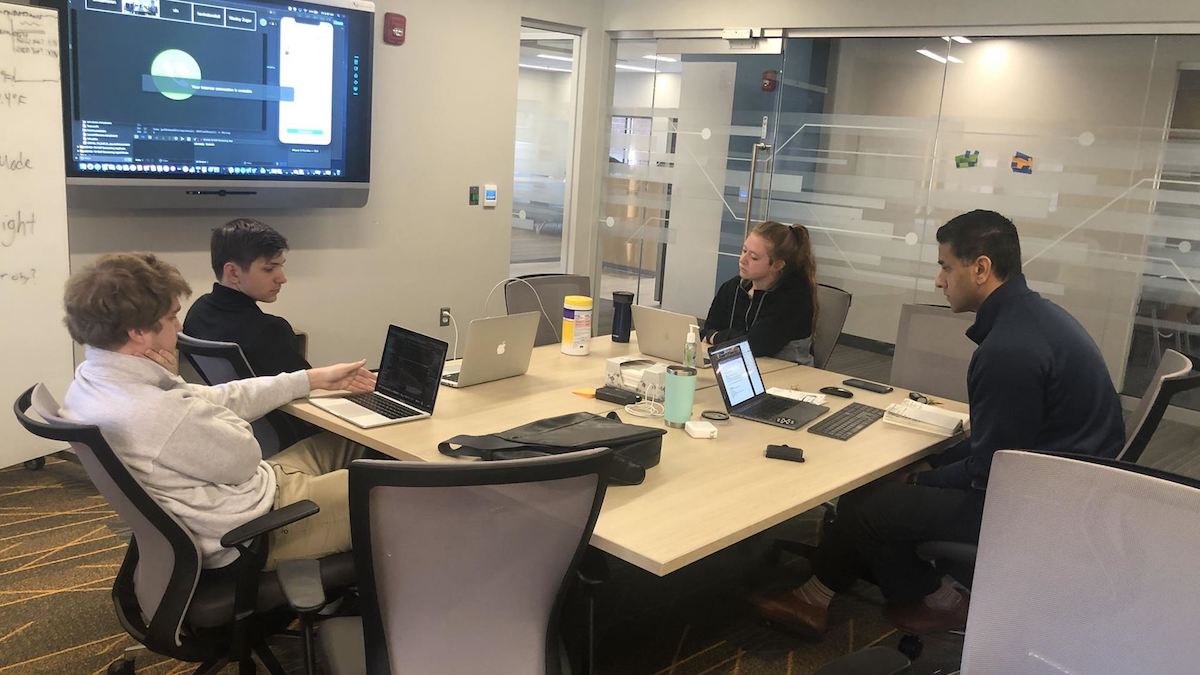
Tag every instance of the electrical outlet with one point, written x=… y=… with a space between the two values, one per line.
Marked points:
x=444 y=316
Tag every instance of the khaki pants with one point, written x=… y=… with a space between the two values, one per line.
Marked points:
x=315 y=469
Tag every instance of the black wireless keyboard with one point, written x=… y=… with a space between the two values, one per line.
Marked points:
x=848 y=421
x=386 y=407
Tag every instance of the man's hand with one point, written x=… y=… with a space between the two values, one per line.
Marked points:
x=166 y=359
x=351 y=376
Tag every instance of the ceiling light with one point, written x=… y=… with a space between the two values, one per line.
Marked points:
x=622 y=66
x=557 y=70
x=554 y=57
x=954 y=59
x=957 y=38
x=936 y=57
x=655 y=57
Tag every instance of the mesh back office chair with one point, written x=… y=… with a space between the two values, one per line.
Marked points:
x=1086 y=565
x=1176 y=373
x=464 y=565
x=932 y=351
x=551 y=289
x=221 y=362
x=834 y=304
x=162 y=597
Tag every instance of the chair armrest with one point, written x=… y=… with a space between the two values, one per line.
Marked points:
x=301 y=584
x=270 y=520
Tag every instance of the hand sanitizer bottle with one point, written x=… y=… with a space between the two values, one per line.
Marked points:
x=690 y=346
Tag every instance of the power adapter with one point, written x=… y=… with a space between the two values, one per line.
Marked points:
x=615 y=395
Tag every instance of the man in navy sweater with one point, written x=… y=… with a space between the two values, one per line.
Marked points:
x=1036 y=381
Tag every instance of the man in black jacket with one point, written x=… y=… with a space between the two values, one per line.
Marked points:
x=247 y=258
x=1036 y=381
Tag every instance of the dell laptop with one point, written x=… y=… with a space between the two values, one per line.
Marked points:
x=497 y=347
x=660 y=333
x=745 y=396
x=406 y=386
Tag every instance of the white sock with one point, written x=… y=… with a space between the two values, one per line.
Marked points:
x=814 y=592
x=944 y=598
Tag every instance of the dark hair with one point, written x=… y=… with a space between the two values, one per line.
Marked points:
x=118 y=293
x=242 y=241
x=988 y=233
x=792 y=245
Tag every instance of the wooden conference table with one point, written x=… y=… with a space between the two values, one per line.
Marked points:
x=706 y=493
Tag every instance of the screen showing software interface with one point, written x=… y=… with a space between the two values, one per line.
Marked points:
x=235 y=89
x=411 y=368
x=738 y=372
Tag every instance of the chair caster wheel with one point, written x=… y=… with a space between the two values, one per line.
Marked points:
x=911 y=646
x=121 y=667
x=35 y=464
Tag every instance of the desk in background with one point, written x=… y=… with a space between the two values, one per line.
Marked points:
x=705 y=494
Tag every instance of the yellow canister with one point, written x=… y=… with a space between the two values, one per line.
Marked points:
x=576 y=324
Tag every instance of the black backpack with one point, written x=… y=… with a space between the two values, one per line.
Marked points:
x=635 y=448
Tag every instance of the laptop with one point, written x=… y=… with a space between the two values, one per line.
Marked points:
x=406 y=385
x=745 y=396
x=497 y=347
x=661 y=333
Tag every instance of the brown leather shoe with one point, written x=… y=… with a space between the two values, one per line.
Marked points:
x=788 y=609
x=917 y=618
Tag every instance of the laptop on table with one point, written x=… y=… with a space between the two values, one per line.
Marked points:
x=497 y=347
x=406 y=385
x=662 y=334
x=745 y=396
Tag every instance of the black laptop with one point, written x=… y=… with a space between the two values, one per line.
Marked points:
x=745 y=396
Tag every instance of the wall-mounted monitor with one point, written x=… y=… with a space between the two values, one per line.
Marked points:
x=217 y=104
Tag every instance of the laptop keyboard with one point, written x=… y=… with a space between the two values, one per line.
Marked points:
x=768 y=407
x=386 y=407
x=848 y=421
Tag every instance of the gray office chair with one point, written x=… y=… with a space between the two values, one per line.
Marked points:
x=834 y=304
x=162 y=596
x=932 y=351
x=1086 y=565
x=463 y=566
x=1176 y=373
x=551 y=289
x=221 y=362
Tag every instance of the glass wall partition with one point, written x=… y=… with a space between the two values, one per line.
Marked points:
x=1091 y=144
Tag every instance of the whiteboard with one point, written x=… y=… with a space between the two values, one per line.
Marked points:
x=34 y=345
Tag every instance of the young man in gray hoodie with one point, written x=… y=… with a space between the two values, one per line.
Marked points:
x=189 y=445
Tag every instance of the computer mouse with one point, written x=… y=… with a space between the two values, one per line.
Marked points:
x=837 y=391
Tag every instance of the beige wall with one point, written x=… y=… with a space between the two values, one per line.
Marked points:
x=444 y=118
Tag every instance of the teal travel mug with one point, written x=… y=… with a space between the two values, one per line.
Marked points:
x=681 y=393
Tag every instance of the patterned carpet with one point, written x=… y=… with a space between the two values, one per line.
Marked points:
x=60 y=546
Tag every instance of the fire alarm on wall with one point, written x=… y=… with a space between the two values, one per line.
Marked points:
x=394 y=28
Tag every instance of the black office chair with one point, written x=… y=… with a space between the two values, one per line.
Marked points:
x=221 y=362
x=464 y=565
x=162 y=596
x=538 y=292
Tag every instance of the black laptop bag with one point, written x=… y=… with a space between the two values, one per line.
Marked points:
x=635 y=448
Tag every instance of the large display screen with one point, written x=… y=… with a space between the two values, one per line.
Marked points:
x=237 y=90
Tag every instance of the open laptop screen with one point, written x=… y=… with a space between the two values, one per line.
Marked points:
x=411 y=367
x=737 y=372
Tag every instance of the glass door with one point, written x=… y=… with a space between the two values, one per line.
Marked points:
x=686 y=117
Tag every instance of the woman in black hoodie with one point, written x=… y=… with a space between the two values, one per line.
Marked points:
x=771 y=301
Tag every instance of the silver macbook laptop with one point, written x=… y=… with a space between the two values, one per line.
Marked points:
x=497 y=347
x=406 y=387
x=746 y=397
x=661 y=333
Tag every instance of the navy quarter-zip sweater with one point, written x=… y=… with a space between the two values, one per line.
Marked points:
x=1037 y=382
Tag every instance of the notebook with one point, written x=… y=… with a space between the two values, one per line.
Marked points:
x=660 y=333
x=745 y=396
x=497 y=347
x=406 y=386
